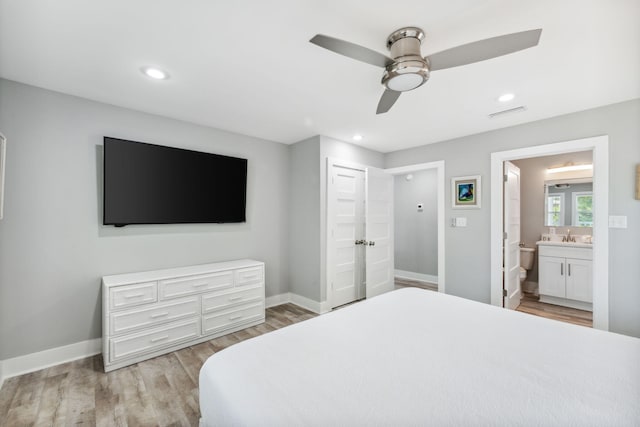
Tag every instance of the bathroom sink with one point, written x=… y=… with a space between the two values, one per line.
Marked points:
x=566 y=244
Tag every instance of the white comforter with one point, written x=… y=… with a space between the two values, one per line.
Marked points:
x=414 y=357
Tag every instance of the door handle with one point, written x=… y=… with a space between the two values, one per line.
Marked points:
x=569 y=266
x=562 y=269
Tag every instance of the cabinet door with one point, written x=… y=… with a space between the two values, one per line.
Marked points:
x=579 y=280
x=552 y=272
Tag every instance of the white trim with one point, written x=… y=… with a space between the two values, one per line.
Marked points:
x=275 y=300
x=55 y=356
x=440 y=171
x=403 y=274
x=600 y=147
x=300 y=301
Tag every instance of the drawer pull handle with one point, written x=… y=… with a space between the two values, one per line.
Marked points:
x=235 y=318
x=160 y=338
x=199 y=285
x=155 y=316
x=253 y=276
x=134 y=295
x=235 y=298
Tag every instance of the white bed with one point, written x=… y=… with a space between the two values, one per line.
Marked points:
x=415 y=357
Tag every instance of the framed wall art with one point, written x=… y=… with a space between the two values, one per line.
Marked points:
x=466 y=192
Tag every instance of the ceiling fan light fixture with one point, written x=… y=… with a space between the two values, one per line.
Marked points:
x=405 y=82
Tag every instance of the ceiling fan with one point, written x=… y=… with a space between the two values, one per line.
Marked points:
x=406 y=69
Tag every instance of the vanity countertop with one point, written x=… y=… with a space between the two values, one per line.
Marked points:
x=565 y=244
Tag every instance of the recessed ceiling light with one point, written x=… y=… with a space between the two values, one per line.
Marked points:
x=506 y=97
x=357 y=137
x=155 y=73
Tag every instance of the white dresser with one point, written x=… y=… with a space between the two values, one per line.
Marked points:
x=156 y=312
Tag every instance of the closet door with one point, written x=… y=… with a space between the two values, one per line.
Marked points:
x=345 y=220
x=379 y=232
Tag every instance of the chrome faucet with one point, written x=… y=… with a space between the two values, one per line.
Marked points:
x=568 y=237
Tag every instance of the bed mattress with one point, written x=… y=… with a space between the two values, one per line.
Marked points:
x=416 y=357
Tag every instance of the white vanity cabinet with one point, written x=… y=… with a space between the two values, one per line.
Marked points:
x=565 y=275
x=156 y=312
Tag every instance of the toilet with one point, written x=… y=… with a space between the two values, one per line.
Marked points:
x=526 y=262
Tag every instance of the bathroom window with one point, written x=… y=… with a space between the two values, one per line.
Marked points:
x=555 y=209
x=583 y=208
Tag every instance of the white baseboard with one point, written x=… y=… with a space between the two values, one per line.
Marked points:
x=299 y=300
x=402 y=274
x=279 y=299
x=43 y=359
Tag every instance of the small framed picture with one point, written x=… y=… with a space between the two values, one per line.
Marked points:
x=465 y=192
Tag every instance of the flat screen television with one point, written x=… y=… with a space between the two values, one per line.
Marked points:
x=153 y=184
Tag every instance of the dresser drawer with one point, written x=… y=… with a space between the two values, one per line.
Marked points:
x=229 y=318
x=130 y=295
x=153 y=339
x=218 y=301
x=249 y=276
x=129 y=320
x=195 y=284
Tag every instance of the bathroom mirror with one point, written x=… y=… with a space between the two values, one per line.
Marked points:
x=568 y=203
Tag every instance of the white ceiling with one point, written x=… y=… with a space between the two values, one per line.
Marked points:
x=247 y=66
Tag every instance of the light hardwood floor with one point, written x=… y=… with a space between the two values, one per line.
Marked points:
x=530 y=304
x=159 y=392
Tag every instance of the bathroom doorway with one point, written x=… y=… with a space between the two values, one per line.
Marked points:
x=595 y=268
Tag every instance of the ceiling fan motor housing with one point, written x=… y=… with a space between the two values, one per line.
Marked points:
x=409 y=69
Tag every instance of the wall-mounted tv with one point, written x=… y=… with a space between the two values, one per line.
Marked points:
x=153 y=184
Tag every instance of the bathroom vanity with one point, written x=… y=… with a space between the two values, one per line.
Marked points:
x=566 y=274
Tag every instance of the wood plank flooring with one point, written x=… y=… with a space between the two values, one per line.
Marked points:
x=530 y=304
x=159 y=392
x=408 y=283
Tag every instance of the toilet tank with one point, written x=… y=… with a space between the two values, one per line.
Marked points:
x=526 y=258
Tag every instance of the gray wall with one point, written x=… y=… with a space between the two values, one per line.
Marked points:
x=471 y=155
x=532 y=178
x=304 y=214
x=53 y=250
x=416 y=231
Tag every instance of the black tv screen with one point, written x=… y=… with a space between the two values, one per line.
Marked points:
x=153 y=184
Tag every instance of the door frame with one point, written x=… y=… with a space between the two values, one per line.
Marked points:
x=599 y=145
x=330 y=208
x=441 y=188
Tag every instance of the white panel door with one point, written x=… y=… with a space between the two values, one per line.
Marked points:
x=379 y=231
x=511 y=243
x=551 y=271
x=579 y=279
x=346 y=224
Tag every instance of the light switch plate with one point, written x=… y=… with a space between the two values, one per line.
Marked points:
x=617 y=221
x=459 y=222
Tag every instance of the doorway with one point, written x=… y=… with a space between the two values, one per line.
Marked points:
x=599 y=148
x=438 y=167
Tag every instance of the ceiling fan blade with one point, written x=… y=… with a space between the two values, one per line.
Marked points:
x=351 y=50
x=389 y=97
x=483 y=49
